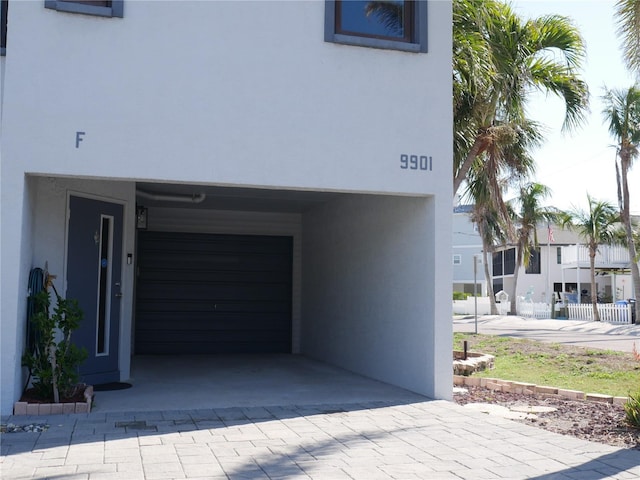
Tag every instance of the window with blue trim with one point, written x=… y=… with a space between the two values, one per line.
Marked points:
x=101 y=8
x=4 y=8
x=391 y=24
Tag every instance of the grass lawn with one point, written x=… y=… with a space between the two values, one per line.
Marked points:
x=563 y=366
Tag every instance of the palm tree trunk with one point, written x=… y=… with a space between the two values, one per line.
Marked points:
x=461 y=174
x=516 y=271
x=513 y=307
x=626 y=220
x=487 y=276
x=594 y=293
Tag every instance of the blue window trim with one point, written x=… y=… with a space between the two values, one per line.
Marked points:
x=417 y=45
x=5 y=9
x=115 y=10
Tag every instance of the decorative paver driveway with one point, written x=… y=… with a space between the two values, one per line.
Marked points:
x=422 y=440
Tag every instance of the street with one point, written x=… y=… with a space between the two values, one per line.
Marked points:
x=570 y=332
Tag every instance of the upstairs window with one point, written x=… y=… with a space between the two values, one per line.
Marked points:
x=101 y=8
x=391 y=24
x=4 y=7
x=497 y=266
x=510 y=261
x=534 y=262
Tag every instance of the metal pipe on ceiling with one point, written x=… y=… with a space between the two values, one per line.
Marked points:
x=168 y=197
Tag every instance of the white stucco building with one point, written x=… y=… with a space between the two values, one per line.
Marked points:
x=559 y=265
x=467 y=249
x=231 y=176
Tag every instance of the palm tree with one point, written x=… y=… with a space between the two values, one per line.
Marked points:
x=528 y=213
x=628 y=29
x=596 y=226
x=622 y=113
x=490 y=222
x=498 y=60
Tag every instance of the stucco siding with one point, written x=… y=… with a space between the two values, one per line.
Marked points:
x=243 y=95
x=230 y=92
x=365 y=291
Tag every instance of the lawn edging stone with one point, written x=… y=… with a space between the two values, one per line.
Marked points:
x=509 y=386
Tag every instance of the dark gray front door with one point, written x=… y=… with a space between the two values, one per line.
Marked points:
x=94 y=263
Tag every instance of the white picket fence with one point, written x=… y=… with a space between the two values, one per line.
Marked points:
x=609 y=312
x=467 y=307
x=534 y=309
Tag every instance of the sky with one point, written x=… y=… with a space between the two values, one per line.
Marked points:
x=572 y=164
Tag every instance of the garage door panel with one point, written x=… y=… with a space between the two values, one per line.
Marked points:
x=213 y=293
x=210 y=276
x=186 y=308
x=202 y=321
x=185 y=262
x=208 y=243
x=204 y=348
x=208 y=336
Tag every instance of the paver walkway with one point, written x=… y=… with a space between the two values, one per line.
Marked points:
x=422 y=440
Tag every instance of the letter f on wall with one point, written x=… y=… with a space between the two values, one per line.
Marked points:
x=79 y=138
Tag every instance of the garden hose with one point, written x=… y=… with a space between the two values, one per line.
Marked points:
x=36 y=285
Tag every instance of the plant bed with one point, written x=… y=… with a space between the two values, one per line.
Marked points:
x=32 y=404
x=601 y=422
x=52 y=358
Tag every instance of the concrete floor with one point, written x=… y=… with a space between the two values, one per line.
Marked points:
x=188 y=382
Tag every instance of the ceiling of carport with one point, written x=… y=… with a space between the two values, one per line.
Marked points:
x=232 y=198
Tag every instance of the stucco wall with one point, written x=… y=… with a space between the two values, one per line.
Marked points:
x=370 y=297
x=229 y=92
x=222 y=93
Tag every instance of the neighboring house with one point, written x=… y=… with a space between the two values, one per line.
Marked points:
x=223 y=177
x=467 y=249
x=559 y=265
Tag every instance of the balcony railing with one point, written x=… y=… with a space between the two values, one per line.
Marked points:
x=607 y=256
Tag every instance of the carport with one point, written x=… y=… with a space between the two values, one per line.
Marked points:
x=328 y=276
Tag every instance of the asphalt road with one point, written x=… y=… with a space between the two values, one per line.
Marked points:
x=570 y=332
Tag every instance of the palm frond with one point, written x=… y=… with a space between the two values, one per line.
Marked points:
x=388 y=13
x=627 y=14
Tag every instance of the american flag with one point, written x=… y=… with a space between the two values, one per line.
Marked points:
x=550 y=234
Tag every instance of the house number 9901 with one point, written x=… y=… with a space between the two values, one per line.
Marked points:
x=416 y=162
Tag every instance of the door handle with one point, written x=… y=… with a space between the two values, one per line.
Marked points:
x=119 y=294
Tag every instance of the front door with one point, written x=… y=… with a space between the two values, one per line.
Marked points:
x=94 y=263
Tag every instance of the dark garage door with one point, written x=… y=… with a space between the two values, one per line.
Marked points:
x=203 y=293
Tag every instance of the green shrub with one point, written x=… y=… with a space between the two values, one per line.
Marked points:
x=54 y=364
x=632 y=409
x=460 y=295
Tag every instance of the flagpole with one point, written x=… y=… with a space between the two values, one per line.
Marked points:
x=549 y=287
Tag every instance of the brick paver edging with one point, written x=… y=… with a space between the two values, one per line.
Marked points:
x=25 y=408
x=532 y=389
